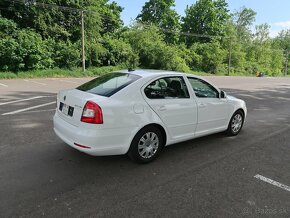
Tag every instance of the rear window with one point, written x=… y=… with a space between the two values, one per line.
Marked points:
x=109 y=84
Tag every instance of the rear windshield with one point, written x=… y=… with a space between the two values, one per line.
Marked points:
x=108 y=84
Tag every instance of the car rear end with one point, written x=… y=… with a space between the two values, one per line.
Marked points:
x=86 y=117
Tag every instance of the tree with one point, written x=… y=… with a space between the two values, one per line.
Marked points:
x=205 y=17
x=161 y=14
x=262 y=33
x=66 y=54
x=61 y=19
x=111 y=17
x=243 y=20
x=235 y=49
x=9 y=58
x=118 y=51
x=212 y=55
x=45 y=20
x=25 y=51
x=40 y=34
x=282 y=41
x=153 y=52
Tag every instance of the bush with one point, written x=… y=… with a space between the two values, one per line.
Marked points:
x=118 y=52
x=8 y=28
x=10 y=60
x=153 y=52
x=170 y=58
x=33 y=50
x=210 y=56
x=66 y=54
x=95 y=54
x=25 y=52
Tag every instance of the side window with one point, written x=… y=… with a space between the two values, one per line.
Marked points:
x=166 y=88
x=202 y=89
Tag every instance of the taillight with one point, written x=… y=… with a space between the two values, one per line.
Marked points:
x=92 y=113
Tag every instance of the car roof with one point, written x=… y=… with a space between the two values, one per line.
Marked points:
x=150 y=73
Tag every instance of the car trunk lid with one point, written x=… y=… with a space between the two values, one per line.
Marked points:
x=70 y=104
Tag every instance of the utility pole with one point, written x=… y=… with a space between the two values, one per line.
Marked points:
x=286 y=67
x=230 y=57
x=83 y=43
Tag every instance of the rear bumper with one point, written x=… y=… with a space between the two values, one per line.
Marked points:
x=101 y=142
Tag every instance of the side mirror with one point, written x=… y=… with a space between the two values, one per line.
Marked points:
x=223 y=94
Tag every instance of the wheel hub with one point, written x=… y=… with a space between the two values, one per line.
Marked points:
x=148 y=145
x=237 y=123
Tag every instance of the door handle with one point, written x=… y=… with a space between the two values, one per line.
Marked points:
x=201 y=105
x=162 y=108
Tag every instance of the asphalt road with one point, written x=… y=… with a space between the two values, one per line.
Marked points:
x=213 y=176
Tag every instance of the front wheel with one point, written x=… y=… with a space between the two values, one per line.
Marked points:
x=146 y=145
x=236 y=123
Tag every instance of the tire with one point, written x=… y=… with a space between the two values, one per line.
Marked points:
x=236 y=123
x=146 y=145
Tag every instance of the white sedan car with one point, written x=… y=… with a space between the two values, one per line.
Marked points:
x=139 y=112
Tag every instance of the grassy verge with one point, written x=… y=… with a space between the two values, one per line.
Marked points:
x=59 y=73
x=90 y=72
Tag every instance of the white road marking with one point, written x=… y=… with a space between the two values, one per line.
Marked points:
x=29 y=108
x=39 y=83
x=272 y=182
x=67 y=81
x=26 y=99
x=1 y=84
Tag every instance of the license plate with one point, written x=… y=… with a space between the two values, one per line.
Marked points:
x=66 y=109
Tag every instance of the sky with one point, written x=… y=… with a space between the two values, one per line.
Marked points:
x=274 y=12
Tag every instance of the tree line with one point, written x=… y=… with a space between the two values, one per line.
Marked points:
x=47 y=34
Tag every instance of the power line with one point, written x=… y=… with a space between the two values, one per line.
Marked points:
x=184 y=33
x=193 y=34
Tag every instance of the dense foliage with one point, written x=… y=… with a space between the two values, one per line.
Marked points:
x=161 y=14
x=40 y=35
x=205 y=17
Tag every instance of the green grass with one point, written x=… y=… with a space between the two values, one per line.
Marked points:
x=59 y=73
x=90 y=72
x=201 y=73
x=236 y=74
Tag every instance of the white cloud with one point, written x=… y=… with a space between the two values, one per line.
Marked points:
x=285 y=24
x=274 y=33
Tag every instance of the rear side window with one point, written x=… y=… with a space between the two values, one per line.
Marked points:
x=108 y=84
x=167 y=88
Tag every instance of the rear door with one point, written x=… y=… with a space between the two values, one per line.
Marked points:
x=213 y=111
x=170 y=99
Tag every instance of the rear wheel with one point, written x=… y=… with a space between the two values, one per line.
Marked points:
x=146 y=145
x=236 y=123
